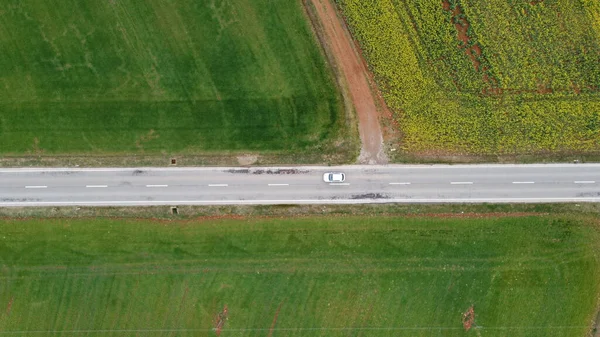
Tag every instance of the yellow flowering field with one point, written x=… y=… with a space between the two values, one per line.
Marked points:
x=485 y=77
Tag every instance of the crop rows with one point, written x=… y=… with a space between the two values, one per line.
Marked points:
x=314 y=276
x=156 y=77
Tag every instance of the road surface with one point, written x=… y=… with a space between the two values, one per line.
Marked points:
x=300 y=185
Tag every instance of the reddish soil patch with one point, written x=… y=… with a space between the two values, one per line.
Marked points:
x=543 y=89
x=475 y=215
x=220 y=321
x=576 y=88
x=222 y=286
x=468 y=318
x=218 y=218
x=154 y=220
x=471 y=49
x=275 y=320
x=9 y=306
x=348 y=60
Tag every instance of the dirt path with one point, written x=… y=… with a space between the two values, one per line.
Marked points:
x=355 y=74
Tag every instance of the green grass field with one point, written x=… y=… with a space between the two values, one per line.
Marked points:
x=311 y=276
x=169 y=76
x=496 y=77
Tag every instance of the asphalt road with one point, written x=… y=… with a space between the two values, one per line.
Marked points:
x=301 y=185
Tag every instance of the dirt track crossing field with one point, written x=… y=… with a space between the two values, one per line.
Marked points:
x=355 y=77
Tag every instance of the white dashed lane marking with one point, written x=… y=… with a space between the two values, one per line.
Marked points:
x=339 y=184
x=461 y=183
x=585 y=182
x=279 y=184
x=399 y=183
x=157 y=185
x=37 y=186
x=218 y=185
x=523 y=182
x=96 y=186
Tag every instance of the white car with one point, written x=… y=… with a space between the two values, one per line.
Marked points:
x=334 y=177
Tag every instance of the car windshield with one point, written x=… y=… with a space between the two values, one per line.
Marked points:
x=331 y=176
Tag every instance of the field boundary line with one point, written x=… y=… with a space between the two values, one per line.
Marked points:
x=301 y=167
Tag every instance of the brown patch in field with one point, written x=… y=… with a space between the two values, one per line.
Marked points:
x=220 y=320
x=472 y=49
x=9 y=305
x=36 y=150
x=139 y=143
x=476 y=215
x=275 y=319
x=223 y=286
x=543 y=89
x=462 y=26
x=446 y=5
x=535 y=2
x=468 y=318
x=349 y=61
x=474 y=60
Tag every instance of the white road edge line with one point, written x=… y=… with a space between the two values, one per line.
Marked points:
x=339 y=184
x=300 y=201
x=523 y=182
x=279 y=184
x=584 y=182
x=96 y=186
x=157 y=185
x=218 y=185
x=39 y=186
x=461 y=183
x=399 y=183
